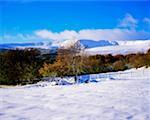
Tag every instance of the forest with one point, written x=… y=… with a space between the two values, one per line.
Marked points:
x=27 y=66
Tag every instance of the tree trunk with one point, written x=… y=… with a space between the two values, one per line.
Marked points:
x=76 y=78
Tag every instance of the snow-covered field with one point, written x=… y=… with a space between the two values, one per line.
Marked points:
x=117 y=96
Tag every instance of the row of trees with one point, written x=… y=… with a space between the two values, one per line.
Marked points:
x=70 y=62
x=29 y=65
x=18 y=66
x=21 y=66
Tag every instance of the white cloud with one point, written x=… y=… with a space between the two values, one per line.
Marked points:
x=46 y=34
x=128 y=22
x=147 y=20
x=94 y=34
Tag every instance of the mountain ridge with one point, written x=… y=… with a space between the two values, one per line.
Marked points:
x=91 y=46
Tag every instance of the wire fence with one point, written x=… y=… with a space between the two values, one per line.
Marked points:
x=121 y=75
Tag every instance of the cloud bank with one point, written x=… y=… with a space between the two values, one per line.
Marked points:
x=94 y=34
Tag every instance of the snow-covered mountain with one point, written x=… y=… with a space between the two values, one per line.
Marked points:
x=88 y=43
x=123 y=47
x=112 y=47
x=66 y=43
x=100 y=43
x=92 y=47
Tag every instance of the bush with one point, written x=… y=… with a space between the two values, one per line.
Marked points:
x=119 y=65
x=19 y=66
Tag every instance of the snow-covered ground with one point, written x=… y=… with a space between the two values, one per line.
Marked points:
x=117 y=96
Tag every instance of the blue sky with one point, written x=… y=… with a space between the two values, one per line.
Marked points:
x=25 y=18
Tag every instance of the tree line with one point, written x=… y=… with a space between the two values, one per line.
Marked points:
x=24 y=66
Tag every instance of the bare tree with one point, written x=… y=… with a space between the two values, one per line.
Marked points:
x=72 y=59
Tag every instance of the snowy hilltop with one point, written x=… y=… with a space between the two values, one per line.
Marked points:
x=122 y=47
x=123 y=95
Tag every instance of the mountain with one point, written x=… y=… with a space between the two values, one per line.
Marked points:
x=15 y=45
x=66 y=43
x=100 y=43
x=44 y=45
x=87 y=43
x=123 y=47
x=92 y=47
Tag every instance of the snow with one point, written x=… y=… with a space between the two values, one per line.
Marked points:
x=100 y=43
x=123 y=95
x=124 y=47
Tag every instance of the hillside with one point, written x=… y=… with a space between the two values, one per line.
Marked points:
x=117 y=96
